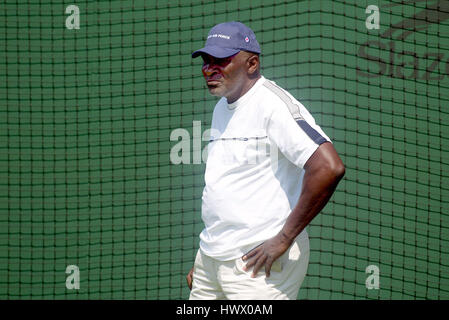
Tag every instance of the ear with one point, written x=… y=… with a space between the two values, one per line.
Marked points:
x=253 y=65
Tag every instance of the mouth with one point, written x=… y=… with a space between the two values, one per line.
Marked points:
x=212 y=83
x=212 y=86
x=213 y=79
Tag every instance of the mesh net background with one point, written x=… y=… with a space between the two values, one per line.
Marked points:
x=86 y=118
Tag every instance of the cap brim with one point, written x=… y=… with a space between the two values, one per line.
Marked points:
x=217 y=52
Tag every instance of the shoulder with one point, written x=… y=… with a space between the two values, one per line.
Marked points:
x=275 y=92
x=267 y=97
x=278 y=99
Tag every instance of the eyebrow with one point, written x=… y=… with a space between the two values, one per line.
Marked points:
x=209 y=59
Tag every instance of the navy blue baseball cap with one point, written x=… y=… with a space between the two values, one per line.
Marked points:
x=227 y=39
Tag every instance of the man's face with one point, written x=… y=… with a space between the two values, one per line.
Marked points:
x=225 y=76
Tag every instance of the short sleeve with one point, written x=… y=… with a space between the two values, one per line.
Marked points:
x=297 y=139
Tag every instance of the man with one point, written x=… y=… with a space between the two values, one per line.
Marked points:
x=255 y=207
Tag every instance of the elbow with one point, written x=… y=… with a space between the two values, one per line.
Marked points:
x=338 y=170
x=331 y=172
x=326 y=164
x=334 y=169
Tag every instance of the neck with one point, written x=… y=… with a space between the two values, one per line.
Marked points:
x=243 y=89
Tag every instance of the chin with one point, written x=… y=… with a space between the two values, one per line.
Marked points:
x=216 y=92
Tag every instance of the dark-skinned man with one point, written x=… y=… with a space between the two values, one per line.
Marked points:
x=270 y=170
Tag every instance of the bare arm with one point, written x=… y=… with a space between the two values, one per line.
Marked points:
x=323 y=171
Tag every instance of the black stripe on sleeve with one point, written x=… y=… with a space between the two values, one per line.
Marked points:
x=296 y=113
x=311 y=132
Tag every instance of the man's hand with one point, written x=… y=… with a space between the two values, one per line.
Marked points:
x=266 y=254
x=189 y=278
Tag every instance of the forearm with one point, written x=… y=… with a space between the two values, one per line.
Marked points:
x=319 y=184
x=323 y=171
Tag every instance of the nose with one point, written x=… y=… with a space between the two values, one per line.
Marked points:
x=208 y=69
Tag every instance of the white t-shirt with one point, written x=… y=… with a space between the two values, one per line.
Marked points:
x=258 y=147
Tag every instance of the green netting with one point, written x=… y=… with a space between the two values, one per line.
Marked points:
x=86 y=117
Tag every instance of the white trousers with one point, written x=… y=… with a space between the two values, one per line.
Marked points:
x=219 y=280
